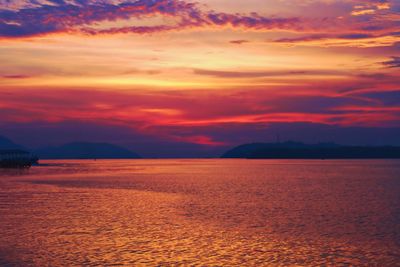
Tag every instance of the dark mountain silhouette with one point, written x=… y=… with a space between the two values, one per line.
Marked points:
x=84 y=150
x=246 y=150
x=6 y=143
x=296 y=150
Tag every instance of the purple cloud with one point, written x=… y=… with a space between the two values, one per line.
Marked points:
x=67 y=17
x=393 y=63
x=32 y=20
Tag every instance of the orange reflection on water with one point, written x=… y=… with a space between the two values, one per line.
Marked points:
x=201 y=212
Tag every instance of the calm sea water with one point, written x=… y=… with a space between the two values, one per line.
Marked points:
x=201 y=212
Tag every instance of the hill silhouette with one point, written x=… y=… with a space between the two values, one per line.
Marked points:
x=86 y=150
x=6 y=143
x=297 y=150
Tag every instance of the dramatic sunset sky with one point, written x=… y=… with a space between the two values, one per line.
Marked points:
x=193 y=78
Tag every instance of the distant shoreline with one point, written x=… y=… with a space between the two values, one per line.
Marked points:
x=217 y=158
x=294 y=150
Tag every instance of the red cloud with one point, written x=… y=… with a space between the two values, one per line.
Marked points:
x=175 y=115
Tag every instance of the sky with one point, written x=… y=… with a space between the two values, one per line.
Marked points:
x=179 y=78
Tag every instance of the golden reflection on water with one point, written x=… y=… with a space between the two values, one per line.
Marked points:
x=201 y=212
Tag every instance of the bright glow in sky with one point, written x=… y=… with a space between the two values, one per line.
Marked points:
x=197 y=71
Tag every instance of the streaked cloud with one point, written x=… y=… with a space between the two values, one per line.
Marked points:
x=73 y=17
x=200 y=75
x=36 y=18
x=392 y=63
x=239 y=42
x=16 y=76
x=362 y=40
x=260 y=74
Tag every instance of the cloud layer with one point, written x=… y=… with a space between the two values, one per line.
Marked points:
x=35 y=18
x=205 y=123
x=172 y=74
x=184 y=115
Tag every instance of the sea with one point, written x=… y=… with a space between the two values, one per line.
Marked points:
x=201 y=212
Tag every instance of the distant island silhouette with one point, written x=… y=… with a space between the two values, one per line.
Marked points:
x=278 y=150
x=74 y=150
x=297 y=150
x=7 y=144
x=86 y=150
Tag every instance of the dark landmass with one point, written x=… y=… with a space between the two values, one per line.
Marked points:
x=296 y=150
x=84 y=150
x=16 y=158
x=6 y=143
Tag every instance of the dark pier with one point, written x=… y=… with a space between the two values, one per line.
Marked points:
x=15 y=158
